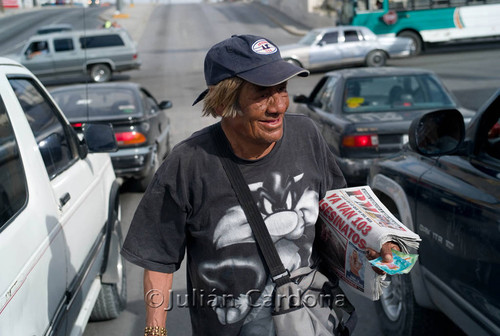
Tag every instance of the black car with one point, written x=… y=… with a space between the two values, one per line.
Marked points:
x=141 y=126
x=445 y=186
x=364 y=113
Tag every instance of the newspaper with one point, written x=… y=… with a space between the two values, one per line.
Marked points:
x=352 y=220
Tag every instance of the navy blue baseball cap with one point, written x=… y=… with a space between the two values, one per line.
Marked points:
x=252 y=58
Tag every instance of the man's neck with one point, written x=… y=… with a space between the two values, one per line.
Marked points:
x=245 y=149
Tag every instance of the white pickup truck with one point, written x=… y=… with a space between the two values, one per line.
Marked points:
x=60 y=232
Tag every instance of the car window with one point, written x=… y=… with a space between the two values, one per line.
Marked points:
x=150 y=105
x=57 y=146
x=324 y=98
x=309 y=38
x=37 y=48
x=492 y=143
x=65 y=44
x=367 y=35
x=394 y=93
x=330 y=38
x=351 y=36
x=13 y=192
x=99 y=103
x=399 y=4
x=100 y=41
x=435 y=92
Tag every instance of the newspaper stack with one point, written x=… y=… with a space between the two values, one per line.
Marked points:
x=352 y=220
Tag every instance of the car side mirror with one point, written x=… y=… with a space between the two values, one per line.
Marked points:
x=99 y=138
x=437 y=133
x=321 y=43
x=166 y=104
x=300 y=99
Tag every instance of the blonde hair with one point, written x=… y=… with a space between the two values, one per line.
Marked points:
x=223 y=95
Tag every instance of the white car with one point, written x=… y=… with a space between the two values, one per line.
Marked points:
x=60 y=232
x=342 y=46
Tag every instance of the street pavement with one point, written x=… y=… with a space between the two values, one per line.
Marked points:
x=134 y=18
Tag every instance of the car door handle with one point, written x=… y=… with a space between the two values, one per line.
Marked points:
x=63 y=200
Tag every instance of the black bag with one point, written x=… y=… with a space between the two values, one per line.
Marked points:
x=306 y=302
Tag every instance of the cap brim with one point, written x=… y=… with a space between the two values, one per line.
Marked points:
x=200 y=97
x=273 y=73
x=267 y=75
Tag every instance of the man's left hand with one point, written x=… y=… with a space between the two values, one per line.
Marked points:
x=385 y=252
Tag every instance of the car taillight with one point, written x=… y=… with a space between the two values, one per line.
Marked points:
x=134 y=57
x=369 y=140
x=77 y=124
x=130 y=138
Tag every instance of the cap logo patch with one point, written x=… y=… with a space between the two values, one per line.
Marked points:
x=263 y=47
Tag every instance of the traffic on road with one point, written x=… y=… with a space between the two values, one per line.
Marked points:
x=450 y=198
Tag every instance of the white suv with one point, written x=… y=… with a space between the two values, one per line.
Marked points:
x=60 y=230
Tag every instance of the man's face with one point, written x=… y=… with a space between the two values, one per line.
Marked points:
x=260 y=123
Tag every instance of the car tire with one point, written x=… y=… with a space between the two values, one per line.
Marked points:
x=417 y=41
x=399 y=314
x=100 y=73
x=112 y=298
x=376 y=58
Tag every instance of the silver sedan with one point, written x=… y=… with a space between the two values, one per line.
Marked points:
x=345 y=46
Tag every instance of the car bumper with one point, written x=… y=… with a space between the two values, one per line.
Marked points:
x=128 y=66
x=133 y=162
x=355 y=170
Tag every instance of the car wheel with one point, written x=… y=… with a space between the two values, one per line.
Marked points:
x=398 y=312
x=376 y=58
x=112 y=298
x=417 y=41
x=100 y=73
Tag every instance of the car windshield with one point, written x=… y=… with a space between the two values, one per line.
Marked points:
x=394 y=93
x=97 y=103
x=309 y=38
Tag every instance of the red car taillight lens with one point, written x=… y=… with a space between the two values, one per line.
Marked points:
x=369 y=140
x=130 y=138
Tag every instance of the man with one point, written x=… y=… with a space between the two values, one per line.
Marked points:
x=190 y=204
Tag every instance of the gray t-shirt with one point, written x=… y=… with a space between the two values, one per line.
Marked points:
x=190 y=205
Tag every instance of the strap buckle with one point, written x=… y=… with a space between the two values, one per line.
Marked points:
x=281 y=275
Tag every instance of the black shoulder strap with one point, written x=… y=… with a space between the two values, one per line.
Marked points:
x=279 y=274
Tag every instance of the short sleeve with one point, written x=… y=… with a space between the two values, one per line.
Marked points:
x=156 y=238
